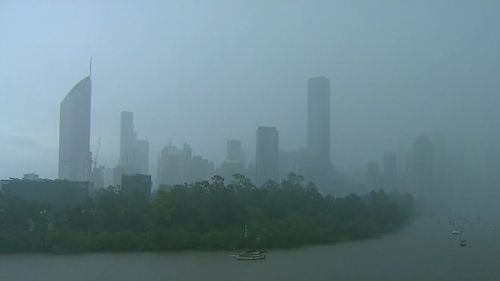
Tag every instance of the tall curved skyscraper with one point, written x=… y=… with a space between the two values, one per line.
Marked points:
x=74 y=133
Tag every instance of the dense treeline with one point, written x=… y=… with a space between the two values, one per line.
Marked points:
x=205 y=215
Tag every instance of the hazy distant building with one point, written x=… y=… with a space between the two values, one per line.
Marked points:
x=134 y=153
x=235 y=161
x=74 y=133
x=229 y=168
x=186 y=156
x=127 y=139
x=234 y=151
x=141 y=150
x=318 y=118
x=319 y=167
x=423 y=167
x=31 y=177
x=267 y=155
x=170 y=166
x=136 y=186
x=405 y=170
x=177 y=167
x=290 y=162
x=200 y=169
x=390 y=170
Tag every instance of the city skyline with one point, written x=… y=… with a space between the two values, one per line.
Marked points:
x=207 y=136
x=317 y=87
x=185 y=86
x=176 y=167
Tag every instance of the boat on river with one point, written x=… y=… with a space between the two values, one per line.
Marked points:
x=462 y=243
x=250 y=254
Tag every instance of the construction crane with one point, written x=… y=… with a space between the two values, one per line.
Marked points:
x=97 y=152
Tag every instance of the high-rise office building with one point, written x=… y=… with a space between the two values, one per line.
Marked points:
x=229 y=168
x=234 y=151
x=267 y=155
x=200 y=169
x=134 y=153
x=127 y=139
x=318 y=168
x=178 y=166
x=405 y=170
x=74 y=133
x=318 y=119
x=235 y=161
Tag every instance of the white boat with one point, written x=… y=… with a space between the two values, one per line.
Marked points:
x=456 y=232
x=251 y=256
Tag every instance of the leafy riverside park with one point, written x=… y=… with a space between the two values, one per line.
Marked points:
x=208 y=215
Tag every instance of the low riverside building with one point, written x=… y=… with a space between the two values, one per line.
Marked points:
x=136 y=186
x=57 y=192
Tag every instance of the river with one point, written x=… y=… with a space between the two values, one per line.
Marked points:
x=425 y=250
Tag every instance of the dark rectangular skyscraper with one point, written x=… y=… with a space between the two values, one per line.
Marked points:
x=74 y=133
x=318 y=168
x=267 y=155
x=318 y=119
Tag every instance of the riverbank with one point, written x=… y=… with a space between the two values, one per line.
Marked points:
x=202 y=216
x=424 y=250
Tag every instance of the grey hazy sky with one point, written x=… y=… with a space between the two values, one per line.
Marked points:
x=203 y=72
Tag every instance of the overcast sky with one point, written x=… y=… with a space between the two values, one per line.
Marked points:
x=203 y=72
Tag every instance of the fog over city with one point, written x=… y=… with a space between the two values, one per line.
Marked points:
x=260 y=139
x=203 y=73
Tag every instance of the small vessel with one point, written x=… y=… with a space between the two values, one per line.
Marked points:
x=250 y=254
x=456 y=232
x=462 y=243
